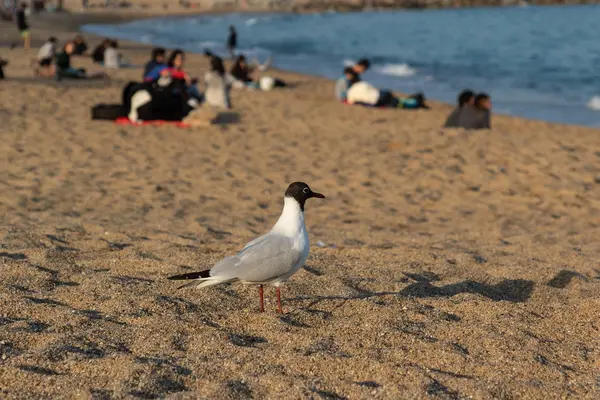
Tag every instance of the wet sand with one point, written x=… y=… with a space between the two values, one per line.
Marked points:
x=444 y=263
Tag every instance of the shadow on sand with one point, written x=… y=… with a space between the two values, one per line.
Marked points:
x=513 y=290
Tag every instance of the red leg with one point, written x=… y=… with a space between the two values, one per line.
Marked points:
x=279 y=309
x=262 y=298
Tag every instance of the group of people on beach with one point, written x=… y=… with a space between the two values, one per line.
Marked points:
x=166 y=82
x=473 y=111
x=52 y=62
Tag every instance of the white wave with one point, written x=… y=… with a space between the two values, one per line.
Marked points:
x=251 y=21
x=348 y=63
x=594 y=103
x=396 y=70
x=147 y=39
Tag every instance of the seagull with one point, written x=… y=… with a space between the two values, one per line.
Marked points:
x=270 y=259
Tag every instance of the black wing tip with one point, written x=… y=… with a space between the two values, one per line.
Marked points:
x=190 y=275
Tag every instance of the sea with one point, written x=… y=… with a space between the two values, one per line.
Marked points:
x=535 y=62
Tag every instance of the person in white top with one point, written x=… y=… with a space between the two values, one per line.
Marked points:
x=45 y=56
x=112 y=59
x=218 y=85
x=363 y=93
x=360 y=92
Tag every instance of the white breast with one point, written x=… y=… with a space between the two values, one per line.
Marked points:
x=291 y=224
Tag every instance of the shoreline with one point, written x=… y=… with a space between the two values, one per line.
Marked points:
x=308 y=6
x=72 y=22
x=106 y=19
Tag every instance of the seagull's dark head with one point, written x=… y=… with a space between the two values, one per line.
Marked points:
x=301 y=192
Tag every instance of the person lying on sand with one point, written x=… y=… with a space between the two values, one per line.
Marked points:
x=44 y=58
x=363 y=93
x=478 y=115
x=465 y=98
x=64 y=69
x=218 y=85
x=158 y=58
x=342 y=84
x=174 y=69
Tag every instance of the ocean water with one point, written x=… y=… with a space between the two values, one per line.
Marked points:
x=535 y=62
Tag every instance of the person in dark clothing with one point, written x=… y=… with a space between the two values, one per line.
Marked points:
x=361 y=66
x=65 y=70
x=232 y=41
x=477 y=116
x=98 y=54
x=483 y=103
x=159 y=56
x=63 y=64
x=241 y=71
x=158 y=100
x=23 y=26
x=466 y=97
x=80 y=46
x=3 y=63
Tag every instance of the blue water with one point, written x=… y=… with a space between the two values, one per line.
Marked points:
x=536 y=62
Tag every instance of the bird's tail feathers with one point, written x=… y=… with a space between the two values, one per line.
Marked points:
x=204 y=282
x=190 y=275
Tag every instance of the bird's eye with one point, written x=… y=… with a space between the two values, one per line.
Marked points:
x=305 y=190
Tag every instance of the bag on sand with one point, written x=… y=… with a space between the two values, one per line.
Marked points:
x=108 y=111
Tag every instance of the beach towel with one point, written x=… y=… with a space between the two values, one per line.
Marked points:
x=127 y=121
x=110 y=112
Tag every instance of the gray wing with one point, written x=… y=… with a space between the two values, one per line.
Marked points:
x=262 y=260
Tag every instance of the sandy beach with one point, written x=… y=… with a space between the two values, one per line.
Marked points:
x=444 y=263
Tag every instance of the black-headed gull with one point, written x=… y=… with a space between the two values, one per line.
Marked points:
x=270 y=259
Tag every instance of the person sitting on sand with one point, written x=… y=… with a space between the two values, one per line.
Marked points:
x=241 y=72
x=218 y=85
x=65 y=70
x=342 y=84
x=465 y=98
x=112 y=58
x=174 y=69
x=98 y=54
x=80 y=46
x=158 y=59
x=164 y=99
x=45 y=56
x=363 y=93
x=477 y=116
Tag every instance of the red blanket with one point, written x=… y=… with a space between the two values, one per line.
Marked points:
x=126 y=121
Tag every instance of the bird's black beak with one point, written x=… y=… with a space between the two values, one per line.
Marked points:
x=317 y=195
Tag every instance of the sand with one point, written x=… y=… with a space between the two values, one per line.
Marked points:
x=444 y=263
